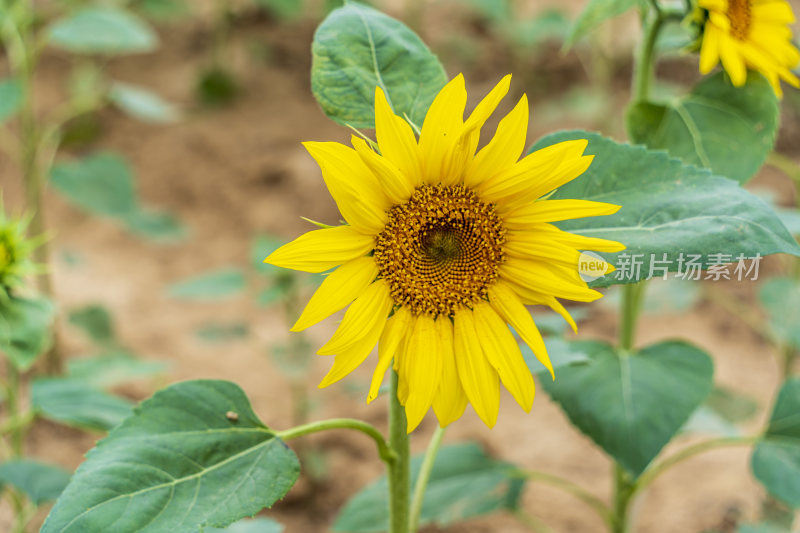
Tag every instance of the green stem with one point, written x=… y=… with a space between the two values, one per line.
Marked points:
x=424 y=475
x=623 y=492
x=644 y=65
x=531 y=522
x=384 y=450
x=399 y=470
x=570 y=488
x=656 y=470
x=632 y=295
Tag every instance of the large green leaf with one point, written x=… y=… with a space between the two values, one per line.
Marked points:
x=102 y=30
x=192 y=456
x=670 y=211
x=727 y=129
x=25 y=329
x=464 y=482
x=75 y=403
x=210 y=286
x=631 y=405
x=357 y=48
x=595 y=13
x=41 y=482
x=776 y=459
x=11 y=98
x=780 y=296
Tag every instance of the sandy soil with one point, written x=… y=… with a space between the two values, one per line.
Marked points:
x=235 y=172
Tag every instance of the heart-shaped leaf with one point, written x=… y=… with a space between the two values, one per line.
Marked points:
x=192 y=456
x=631 y=405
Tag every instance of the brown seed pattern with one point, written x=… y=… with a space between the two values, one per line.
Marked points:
x=440 y=250
x=739 y=15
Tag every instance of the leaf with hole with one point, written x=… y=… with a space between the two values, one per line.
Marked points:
x=631 y=405
x=177 y=465
x=727 y=129
x=357 y=48
x=670 y=212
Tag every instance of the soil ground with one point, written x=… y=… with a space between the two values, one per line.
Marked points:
x=238 y=171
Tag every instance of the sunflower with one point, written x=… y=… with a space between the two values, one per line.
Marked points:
x=16 y=252
x=750 y=34
x=442 y=251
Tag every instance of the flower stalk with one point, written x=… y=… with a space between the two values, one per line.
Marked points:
x=424 y=476
x=399 y=479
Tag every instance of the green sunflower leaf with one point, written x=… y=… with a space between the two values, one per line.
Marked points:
x=102 y=30
x=182 y=462
x=40 y=482
x=25 y=329
x=214 y=285
x=113 y=368
x=465 y=482
x=11 y=98
x=780 y=296
x=674 y=217
x=631 y=405
x=357 y=48
x=95 y=321
x=727 y=129
x=142 y=104
x=256 y=525
x=76 y=403
x=776 y=459
x=594 y=14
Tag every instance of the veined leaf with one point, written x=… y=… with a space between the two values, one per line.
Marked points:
x=192 y=456
x=357 y=48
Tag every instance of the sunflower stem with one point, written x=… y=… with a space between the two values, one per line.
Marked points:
x=632 y=296
x=16 y=432
x=384 y=450
x=623 y=491
x=424 y=476
x=644 y=64
x=399 y=485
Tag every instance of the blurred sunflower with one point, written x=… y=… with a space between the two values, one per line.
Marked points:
x=16 y=252
x=442 y=250
x=750 y=34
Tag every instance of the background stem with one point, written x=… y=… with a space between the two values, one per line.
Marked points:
x=399 y=470
x=424 y=475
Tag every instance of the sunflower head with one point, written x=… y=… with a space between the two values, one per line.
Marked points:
x=443 y=249
x=16 y=252
x=749 y=34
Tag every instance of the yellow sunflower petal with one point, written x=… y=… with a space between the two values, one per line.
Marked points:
x=540 y=278
x=489 y=103
x=441 y=130
x=780 y=12
x=371 y=307
x=479 y=378
x=339 y=288
x=709 y=50
x=355 y=190
x=322 y=249
x=394 y=184
x=349 y=359
x=530 y=297
x=580 y=242
x=393 y=338
x=508 y=305
x=504 y=149
x=529 y=245
x=732 y=61
x=450 y=400
x=396 y=140
x=555 y=210
x=504 y=355
x=423 y=370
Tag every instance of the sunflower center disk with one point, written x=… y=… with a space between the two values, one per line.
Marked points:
x=440 y=250
x=739 y=15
